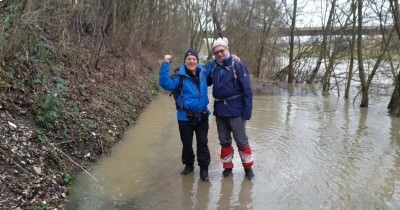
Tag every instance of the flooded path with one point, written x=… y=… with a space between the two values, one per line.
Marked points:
x=311 y=152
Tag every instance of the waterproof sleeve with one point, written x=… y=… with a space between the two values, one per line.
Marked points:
x=165 y=80
x=208 y=72
x=244 y=79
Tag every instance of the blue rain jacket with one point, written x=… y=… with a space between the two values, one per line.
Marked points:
x=233 y=96
x=192 y=98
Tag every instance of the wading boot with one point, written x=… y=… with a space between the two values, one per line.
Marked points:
x=188 y=169
x=204 y=173
x=227 y=172
x=249 y=173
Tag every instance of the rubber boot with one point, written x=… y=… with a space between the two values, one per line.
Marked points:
x=249 y=173
x=188 y=169
x=227 y=172
x=204 y=173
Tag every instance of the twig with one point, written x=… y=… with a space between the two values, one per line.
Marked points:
x=355 y=97
x=20 y=167
x=96 y=65
x=74 y=162
x=64 y=142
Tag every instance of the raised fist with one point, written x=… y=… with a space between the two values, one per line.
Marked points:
x=168 y=58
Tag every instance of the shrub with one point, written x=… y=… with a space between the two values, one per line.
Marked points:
x=47 y=110
x=68 y=179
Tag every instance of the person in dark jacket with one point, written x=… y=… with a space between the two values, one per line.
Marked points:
x=189 y=85
x=232 y=105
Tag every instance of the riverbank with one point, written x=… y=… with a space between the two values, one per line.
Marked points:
x=57 y=120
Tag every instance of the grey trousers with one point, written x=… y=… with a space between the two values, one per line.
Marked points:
x=234 y=125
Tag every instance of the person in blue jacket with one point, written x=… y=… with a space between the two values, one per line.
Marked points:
x=232 y=105
x=189 y=86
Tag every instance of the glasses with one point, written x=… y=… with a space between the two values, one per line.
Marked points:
x=219 y=51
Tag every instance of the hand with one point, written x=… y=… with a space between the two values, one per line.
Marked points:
x=168 y=58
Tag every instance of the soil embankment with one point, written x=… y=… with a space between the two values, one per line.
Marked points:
x=58 y=117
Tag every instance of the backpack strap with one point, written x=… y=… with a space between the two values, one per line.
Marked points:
x=178 y=92
x=233 y=70
x=180 y=85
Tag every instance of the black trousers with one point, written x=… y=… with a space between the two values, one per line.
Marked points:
x=186 y=130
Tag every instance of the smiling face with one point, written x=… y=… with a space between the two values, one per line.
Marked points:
x=220 y=53
x=191 y=62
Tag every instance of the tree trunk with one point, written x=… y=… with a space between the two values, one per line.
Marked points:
x=291 y=44
x=26 y=6
x=352 y=46
x=394 y=104
x=364 y=89
x=326 y=83
x=114 y=19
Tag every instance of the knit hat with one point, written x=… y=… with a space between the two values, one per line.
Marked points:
x=221 y=41
x=191 y=51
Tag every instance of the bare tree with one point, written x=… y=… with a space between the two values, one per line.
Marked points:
x=269 y=17
x=367 y=81
x=197 y=21
x=326 y=32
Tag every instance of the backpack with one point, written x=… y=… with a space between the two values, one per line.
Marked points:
x=178 y=91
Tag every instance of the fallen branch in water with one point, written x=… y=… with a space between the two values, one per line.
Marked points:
x=74 y=162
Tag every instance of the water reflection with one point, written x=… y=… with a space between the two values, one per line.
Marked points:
x=362 y=129
x=311 y=152
x=202 y=195
x=245 y=195
x=187 y=190
x=195 y=194
x=389 y=191
x=226 y=192
x=235 y=194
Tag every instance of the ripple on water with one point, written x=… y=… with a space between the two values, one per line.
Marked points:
x=311 y=152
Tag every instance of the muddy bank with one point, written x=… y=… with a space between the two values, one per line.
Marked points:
x=48 y=137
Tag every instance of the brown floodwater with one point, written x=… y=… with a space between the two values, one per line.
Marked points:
x=310 y=151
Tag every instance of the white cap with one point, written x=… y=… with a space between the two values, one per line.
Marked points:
x=221 y=41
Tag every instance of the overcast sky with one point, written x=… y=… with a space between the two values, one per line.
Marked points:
x=311 y=12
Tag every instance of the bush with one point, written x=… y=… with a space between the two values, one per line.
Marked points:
x=40 y=135
x=68 y=179
x=47 y=110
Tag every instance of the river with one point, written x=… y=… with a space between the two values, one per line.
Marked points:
x=310 y=151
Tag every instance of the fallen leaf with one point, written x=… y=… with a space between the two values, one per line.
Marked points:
x=38 y=170
x=12 y=125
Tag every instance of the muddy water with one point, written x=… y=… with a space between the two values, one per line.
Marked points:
x=311 y=152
